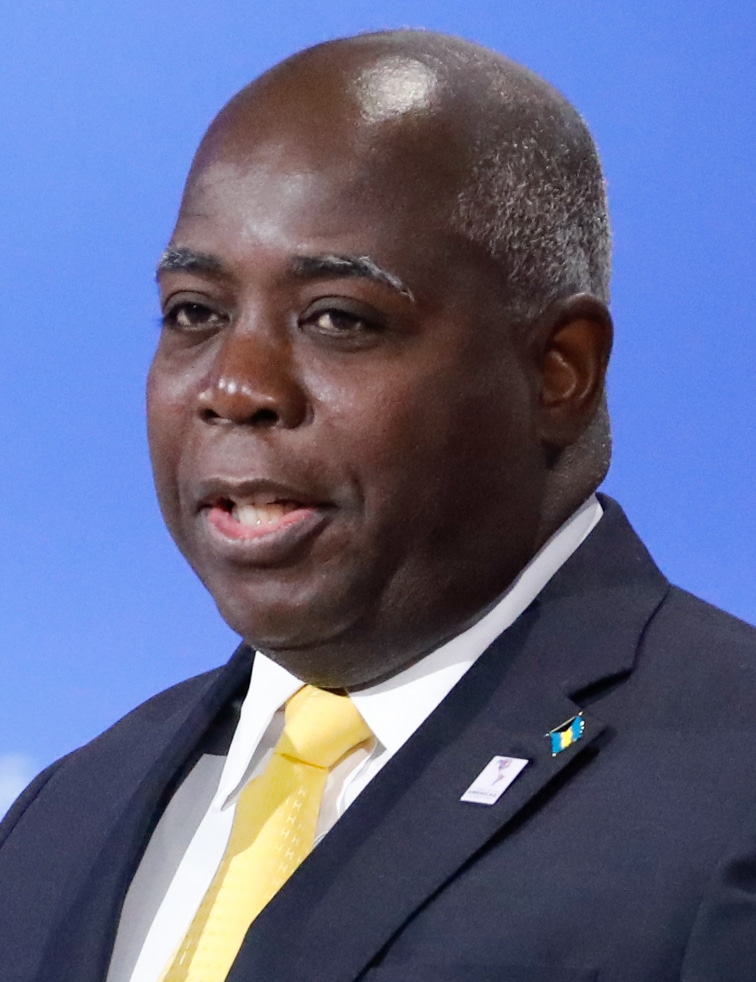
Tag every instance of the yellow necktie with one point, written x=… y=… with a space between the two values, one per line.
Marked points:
x=273 y=831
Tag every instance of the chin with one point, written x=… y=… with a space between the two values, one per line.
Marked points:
x=324 y=650
x=336 y=666
x=285 y=626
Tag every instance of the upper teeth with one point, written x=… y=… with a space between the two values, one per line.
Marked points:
x=260 y=514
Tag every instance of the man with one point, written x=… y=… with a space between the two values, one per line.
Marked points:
x=377 y=421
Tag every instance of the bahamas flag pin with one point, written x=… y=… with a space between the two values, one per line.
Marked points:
x=566 y=734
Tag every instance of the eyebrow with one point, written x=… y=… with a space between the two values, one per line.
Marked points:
x=310 y=267
x=189 y=261
x=304 y=267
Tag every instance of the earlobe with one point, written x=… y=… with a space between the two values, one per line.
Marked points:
x=575 y=339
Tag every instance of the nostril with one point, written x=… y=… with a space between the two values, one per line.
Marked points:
x=207 y=415
x=231 y=400
x=261 y=417
x=265 y=417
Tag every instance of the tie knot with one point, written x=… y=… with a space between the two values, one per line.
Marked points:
x=320 y=727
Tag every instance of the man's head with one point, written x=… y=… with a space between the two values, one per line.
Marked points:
x=379 y=385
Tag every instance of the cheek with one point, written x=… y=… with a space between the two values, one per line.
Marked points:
x=407 y=444
x=449 y=451
x=167 y=412
x=379 y=424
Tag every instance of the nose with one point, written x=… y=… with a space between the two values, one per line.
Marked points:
x=252 y=382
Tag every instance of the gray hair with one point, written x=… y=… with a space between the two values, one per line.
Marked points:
x=536 y=198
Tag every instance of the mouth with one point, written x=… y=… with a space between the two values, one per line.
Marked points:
x=257 y=513
x=260 y=516
x=252 y=519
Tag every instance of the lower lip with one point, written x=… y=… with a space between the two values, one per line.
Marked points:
x=267 y=541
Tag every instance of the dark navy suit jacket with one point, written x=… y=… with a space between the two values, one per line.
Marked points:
x=628 y=857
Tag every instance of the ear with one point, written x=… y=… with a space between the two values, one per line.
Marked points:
x=574 y=340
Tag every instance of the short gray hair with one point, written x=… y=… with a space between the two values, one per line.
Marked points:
x=535 y=199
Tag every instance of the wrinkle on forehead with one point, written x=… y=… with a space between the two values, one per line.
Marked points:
x=394 y=86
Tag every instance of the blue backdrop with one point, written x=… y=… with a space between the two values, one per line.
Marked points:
x=102 y=104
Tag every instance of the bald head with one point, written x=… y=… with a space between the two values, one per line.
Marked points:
x=508 y=162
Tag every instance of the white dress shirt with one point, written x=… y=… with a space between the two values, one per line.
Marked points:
x=191 y=836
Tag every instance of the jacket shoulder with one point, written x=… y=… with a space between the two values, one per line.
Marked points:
x=710 y=624
x=158 y=709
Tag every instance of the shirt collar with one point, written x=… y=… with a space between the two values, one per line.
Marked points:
x=395 y=708
x=270 y=686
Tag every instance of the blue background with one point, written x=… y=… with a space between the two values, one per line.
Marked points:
x=102 y=105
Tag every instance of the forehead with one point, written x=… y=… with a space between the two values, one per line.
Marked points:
x=332 y=185
x=378 y=131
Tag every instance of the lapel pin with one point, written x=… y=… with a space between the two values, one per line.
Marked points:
x=566 y=734
x=494 y=780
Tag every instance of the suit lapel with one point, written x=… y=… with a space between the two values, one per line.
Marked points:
x=133 y=781
x=408 y=833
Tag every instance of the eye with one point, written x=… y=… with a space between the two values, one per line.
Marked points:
x=190 y=315
x=342 y=325
x=339 y=322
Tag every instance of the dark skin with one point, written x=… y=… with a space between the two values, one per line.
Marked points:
x=331 y=345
